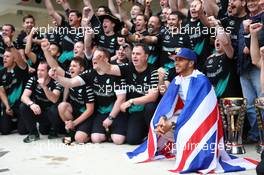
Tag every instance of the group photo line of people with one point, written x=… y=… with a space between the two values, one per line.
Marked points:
x=190 y=73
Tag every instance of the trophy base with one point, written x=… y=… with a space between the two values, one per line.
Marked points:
x=235 y=149
x=260 y=148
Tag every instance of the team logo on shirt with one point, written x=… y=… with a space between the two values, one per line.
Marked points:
x=145 y=79
x=80 y=90
x=113 y=40
x=108 y=81
x=181 y=38
x=232 y=23
x=96 y=80
x=210 y=61
x=167 y=37
x=4 y=77
x=102 y=37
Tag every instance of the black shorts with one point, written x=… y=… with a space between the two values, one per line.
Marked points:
x=86 y=125
x=119 y=125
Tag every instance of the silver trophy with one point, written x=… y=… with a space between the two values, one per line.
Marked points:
x=259 y=106
x=233 y=112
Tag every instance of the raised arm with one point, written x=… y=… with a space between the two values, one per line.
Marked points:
x=66 y=82
x=65 y=4
x=113 y=9
x=124 y=17
x=202 y=16
x=162 y=85
x=210 y=7
x=86 y=17
x=148 y=11
x=89 y=33
x=18 y=59
x=31 y=55
x=87 y=3
x=88 y=51
x=15 y=53
x=52 y=12
x=226 y=42
x=254 y=44
x=50 y=60
x=106 y=67
x=173 y=5
x=183 y=6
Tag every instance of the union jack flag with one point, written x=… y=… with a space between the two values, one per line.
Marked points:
x=197 y=144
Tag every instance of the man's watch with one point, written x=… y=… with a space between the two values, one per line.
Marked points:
x=131 y=101
x=110 y=117
x=30 y=104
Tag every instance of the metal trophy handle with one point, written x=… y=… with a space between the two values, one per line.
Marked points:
x=233 y=112
x=259 y=106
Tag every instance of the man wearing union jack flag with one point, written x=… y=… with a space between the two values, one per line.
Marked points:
x=187 y=126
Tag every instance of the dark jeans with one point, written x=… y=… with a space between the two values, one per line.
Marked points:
x=138 y=124
x=30 y=119
x=7 y=123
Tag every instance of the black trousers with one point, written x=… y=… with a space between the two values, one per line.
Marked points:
x=30 y=119
x=9 y=123
x=138 y=124
x=56 y=122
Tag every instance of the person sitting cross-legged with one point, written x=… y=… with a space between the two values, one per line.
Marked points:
x=187 y=125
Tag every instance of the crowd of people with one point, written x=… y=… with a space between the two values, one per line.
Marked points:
x=99 y=74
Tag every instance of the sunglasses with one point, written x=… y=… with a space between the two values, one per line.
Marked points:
x=124 y=46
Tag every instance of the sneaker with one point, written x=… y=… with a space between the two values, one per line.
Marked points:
x=31 y=138
x=69 y=138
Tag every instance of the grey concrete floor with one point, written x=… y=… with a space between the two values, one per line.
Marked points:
x=51 y=157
